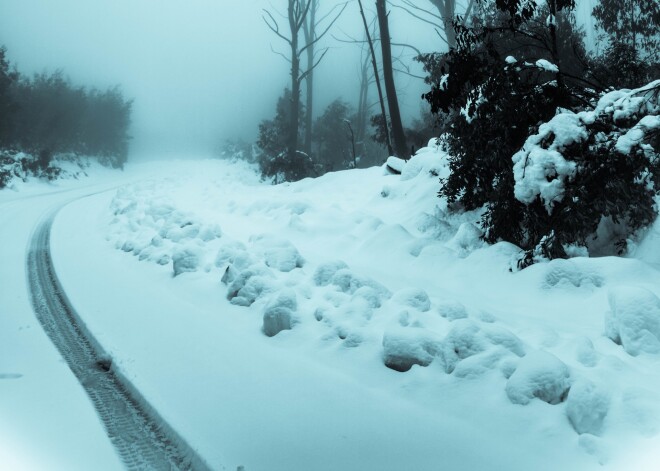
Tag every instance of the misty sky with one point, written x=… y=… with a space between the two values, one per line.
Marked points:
x=200 y=71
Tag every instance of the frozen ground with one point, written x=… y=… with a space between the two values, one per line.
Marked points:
x=347 y=322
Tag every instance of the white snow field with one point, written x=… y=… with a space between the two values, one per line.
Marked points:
x=345 y=322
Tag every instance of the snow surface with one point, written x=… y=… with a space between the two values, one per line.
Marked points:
x=47 y=422
x=350 y=322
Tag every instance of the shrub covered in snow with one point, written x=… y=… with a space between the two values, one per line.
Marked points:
x=582 y=167
x=532 y=146
x=634 y=320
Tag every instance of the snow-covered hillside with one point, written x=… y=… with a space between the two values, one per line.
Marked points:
x=349 y=322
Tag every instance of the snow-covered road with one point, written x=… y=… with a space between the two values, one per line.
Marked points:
x=142 y=439
x=46 y=419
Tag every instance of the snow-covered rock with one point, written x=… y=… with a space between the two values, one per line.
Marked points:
x=185 y=260
x=539 y=375
x=278 y=316
x=250 y=285
x=634 y=319
x=404 y=348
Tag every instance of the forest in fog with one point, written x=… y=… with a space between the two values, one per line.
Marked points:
x=330 y=235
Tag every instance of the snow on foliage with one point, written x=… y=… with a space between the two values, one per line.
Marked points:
x=547 y=66
x=542 y=167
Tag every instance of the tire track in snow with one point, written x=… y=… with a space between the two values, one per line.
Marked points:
x=143 y=440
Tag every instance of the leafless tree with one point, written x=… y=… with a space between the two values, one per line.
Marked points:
x=398 y=135
x=297 y=16
x=377 y=79
x=442 y=20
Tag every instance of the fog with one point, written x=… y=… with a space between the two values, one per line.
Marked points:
x=199 y=71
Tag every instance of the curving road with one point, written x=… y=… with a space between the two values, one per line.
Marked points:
x=143 y=440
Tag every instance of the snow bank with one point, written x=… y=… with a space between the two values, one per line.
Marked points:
x=634 y=320
x=366 y=272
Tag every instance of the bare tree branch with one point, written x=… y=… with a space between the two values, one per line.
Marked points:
x=318 y=61
x=273 y=25
x=280 y=54
x=325 y=31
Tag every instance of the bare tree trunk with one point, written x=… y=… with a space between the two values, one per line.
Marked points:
x=447 y=11
x=380 y=90
x=310 y=36
x=399 y=137
x=292 y=140
x=362 y=111
x=350 y=128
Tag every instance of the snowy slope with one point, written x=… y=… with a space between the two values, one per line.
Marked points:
x=500 y=370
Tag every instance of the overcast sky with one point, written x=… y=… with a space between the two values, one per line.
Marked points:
x=199 y=71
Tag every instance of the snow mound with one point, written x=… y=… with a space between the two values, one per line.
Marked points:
x=586 y=407
x=348 y=282
x=562 y=273
x=249 y=285
x=634 y=320
x=539 y=375
x=487 y=343
x=452 y=310
x=185 y=260
x=413 y=297
x=278 y=316
x=326 y=271
x=279 y=254
x=234 y=253
x=404 y=348
x=466 y=240
x=427 y=162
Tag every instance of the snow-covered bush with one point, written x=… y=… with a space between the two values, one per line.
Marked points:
x=581 y=170
x=578 y=163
